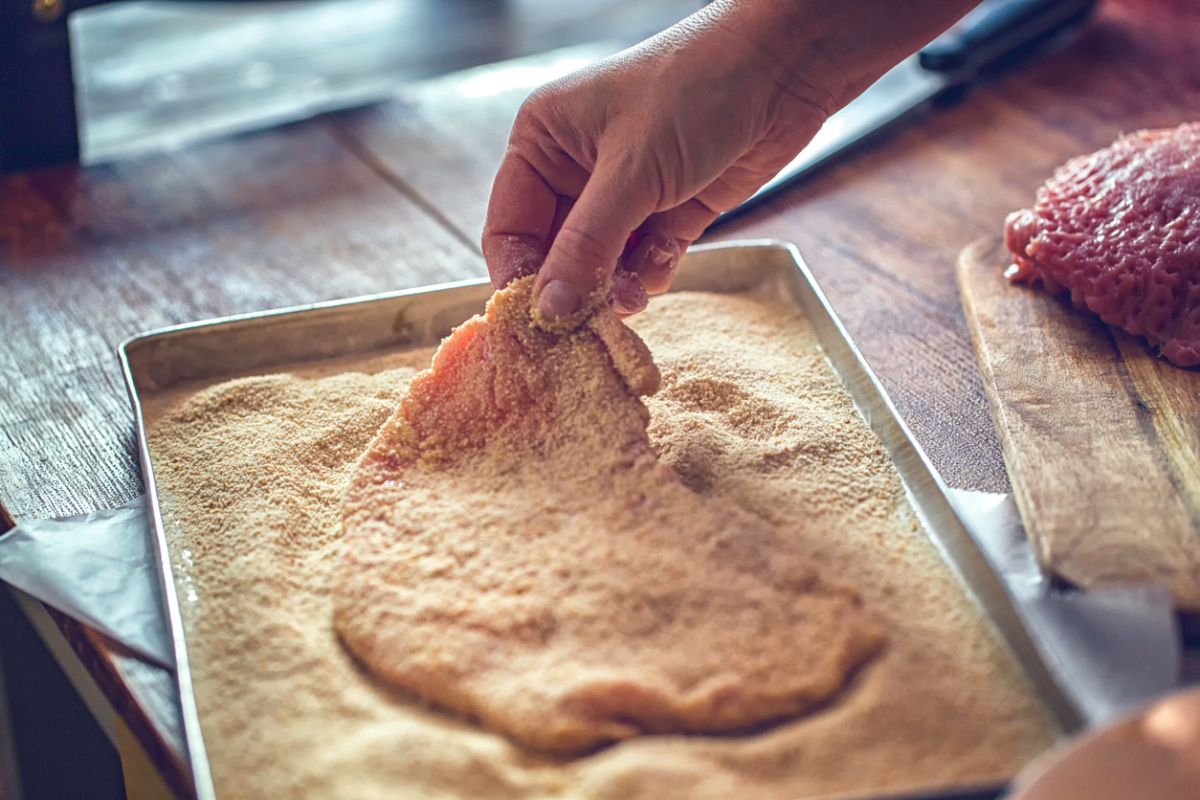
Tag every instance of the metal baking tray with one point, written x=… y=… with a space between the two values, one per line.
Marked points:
x=272 y=340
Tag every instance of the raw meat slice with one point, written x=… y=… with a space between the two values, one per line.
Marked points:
x=514 y=551
x=1120 y=230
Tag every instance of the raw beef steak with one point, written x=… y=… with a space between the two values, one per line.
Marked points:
x=1120 y=230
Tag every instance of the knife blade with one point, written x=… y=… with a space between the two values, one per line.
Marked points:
x=994 y=35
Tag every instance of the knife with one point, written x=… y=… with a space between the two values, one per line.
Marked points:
x=995 y=34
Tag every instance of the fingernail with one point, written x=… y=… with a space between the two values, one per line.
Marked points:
x=628 y=294
x=656 y=263
x=658 y=257
x=558 y=299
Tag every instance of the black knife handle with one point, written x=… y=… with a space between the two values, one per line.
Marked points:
x=997 y=29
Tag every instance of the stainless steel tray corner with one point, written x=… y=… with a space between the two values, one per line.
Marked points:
x=207 y=350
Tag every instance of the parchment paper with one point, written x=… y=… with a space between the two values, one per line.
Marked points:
x=1116 y=649
x=98 y=568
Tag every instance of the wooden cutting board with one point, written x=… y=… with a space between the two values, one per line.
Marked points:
x=1100 y=437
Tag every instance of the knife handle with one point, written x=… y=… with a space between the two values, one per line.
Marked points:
x=998 y=29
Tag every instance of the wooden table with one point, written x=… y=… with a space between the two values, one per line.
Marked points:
x=394 y=196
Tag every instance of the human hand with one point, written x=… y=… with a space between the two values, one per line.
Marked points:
x=660 y=139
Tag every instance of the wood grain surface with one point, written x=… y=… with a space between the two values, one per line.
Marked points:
x=1101 y=437
x=394 y=196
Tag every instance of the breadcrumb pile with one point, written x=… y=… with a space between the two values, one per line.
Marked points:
x=750 y=418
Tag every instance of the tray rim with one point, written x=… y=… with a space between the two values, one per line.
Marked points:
x=1064 y=712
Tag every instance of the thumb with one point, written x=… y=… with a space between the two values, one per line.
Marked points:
x=616 y=199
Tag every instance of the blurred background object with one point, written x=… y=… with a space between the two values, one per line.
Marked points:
x=95 y=81
x=1152 y=755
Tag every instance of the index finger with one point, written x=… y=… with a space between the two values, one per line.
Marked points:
x=520 y=216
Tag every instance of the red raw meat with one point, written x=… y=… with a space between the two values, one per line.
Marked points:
x=1120 y=230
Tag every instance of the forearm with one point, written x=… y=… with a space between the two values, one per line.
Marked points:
x=826 y=52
